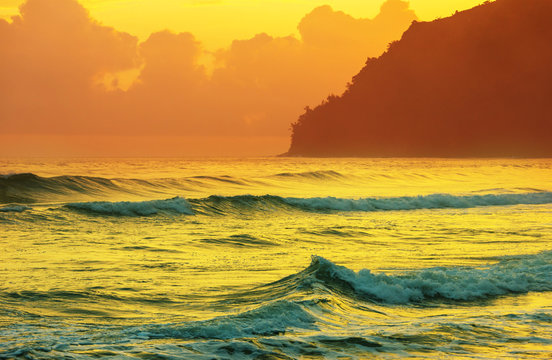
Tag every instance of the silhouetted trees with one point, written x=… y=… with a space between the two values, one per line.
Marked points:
x=478 y=83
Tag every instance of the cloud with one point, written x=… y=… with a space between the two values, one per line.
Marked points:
x=50 y=56
x=275 y=78
x=170 y=94
x=171 y=59
x=60 y=73
x=326 y=29
x=58 y=36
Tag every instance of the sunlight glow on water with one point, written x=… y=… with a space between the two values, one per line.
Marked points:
x=203 y=276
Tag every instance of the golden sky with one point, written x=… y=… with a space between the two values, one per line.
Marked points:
x=181 y=77
x=217 y=22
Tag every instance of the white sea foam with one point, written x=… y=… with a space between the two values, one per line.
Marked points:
x=270 y=319
x=139 y=208
x=510 y=276
x=14 y=208
x=236 y=204
x=435 y=201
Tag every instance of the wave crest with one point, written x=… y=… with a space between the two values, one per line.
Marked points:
x=267 y=320
x=139 y=208
x=313 y=175
x=232 y=205
x=29 y=188
x=509 y=276
x=14 y=208
x=434 y=201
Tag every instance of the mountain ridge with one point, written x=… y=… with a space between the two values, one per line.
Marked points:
x=478 y=83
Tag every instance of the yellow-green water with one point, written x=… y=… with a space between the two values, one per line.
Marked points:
x=275 y=258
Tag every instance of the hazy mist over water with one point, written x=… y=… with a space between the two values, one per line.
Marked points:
x=275 y=258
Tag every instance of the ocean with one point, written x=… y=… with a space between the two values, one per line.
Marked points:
x=275 y=258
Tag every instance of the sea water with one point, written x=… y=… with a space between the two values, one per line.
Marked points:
x=275 y=258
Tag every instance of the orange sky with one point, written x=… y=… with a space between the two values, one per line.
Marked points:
x=94 y=80
x=217 y=22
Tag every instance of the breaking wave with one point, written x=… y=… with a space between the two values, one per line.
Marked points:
x=297 y=316
x=20 y=189
x=509 y=276
x=222 y=204
x=138 y=208
x=299 y=302
x=435 y=201
x=14 y=208
x=268 y=320
x=237 y=205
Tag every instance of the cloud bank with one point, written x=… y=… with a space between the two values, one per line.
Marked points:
x=64 y=74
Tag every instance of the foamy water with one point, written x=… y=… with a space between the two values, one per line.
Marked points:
x=275 y=258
